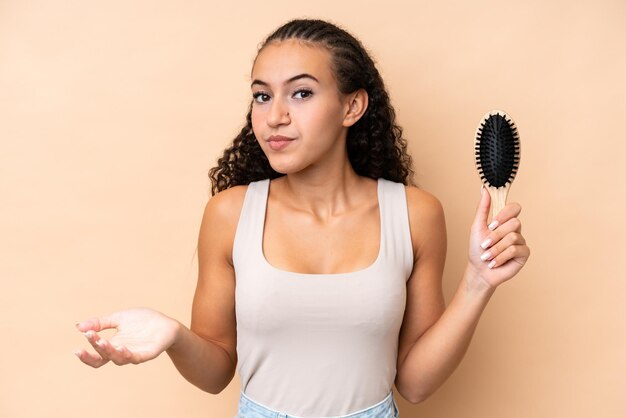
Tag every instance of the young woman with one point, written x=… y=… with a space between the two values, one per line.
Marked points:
x=320 y=264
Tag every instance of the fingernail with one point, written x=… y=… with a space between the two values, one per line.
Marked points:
x=100 y=342
x=485 y=256
x=493 y=263
x=119 y=349
x=493 y=225
x=88 y=334
x=486 y=243
x=77 y=353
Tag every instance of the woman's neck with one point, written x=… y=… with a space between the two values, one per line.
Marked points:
x=324 y=192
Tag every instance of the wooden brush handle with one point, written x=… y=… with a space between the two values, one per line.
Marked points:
x=498 y=198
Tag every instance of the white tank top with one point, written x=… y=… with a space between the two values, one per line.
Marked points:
x=316 y=345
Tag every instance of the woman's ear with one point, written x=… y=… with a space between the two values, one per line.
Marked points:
x=357 y=105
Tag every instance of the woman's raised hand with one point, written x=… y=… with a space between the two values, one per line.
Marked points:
x=142 y=334
x=497 y=251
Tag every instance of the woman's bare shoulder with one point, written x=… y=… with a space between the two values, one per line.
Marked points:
x=227 y=204
x=426 y=216
x=220 y=219
x=421 y=201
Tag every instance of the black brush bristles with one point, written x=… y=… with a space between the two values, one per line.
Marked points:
x=497 y=149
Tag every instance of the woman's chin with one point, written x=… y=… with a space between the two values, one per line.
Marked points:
x=283 y=167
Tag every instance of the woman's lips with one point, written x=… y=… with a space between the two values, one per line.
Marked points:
x=277 y=143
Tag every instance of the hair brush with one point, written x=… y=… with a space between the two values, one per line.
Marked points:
x=497 y=152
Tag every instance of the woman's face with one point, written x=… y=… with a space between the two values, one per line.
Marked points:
x=298 y=112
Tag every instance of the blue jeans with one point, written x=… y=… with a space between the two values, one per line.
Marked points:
x=386 y=408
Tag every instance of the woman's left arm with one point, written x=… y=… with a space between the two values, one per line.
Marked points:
x=434 y=339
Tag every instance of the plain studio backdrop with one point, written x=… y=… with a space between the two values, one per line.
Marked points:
x=111 y=114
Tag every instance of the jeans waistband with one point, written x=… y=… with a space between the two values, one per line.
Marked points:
x=380 y=409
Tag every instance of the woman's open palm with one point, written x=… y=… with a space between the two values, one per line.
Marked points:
x=142 y=334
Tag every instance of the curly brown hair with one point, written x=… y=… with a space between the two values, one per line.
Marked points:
x=375 y=144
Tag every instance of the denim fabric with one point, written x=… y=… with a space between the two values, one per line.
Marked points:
x=386 y=408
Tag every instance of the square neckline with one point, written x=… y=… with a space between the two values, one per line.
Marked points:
x=363 y=270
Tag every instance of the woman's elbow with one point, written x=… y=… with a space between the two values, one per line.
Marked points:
x=413 y=396
x=415 y=399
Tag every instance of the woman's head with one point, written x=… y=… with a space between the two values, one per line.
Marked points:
x=300 y=118
x=374 y=142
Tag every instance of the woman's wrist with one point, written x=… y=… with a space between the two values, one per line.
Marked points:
x=179 y=335
x=476 y=285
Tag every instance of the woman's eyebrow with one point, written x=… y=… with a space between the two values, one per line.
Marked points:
x=291 y=80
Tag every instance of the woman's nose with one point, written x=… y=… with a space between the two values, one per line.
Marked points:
x=278 y=114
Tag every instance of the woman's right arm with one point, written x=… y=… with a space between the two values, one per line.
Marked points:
x=205 y=354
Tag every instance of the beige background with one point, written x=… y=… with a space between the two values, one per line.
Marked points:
x=112 y=112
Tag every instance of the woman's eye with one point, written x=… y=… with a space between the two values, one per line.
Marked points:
x=261 y=97
x=302 y=94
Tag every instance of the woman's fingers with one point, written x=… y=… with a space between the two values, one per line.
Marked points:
x=510 y=211
x=499 y=232
x=492 y=251
x=106 y=352
x=90 y=359
x=97 y=343
x=504 y=243
x=498 y=244
x=482 y=210
x=519 y=252
x=117 y=354
x=97 y=324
